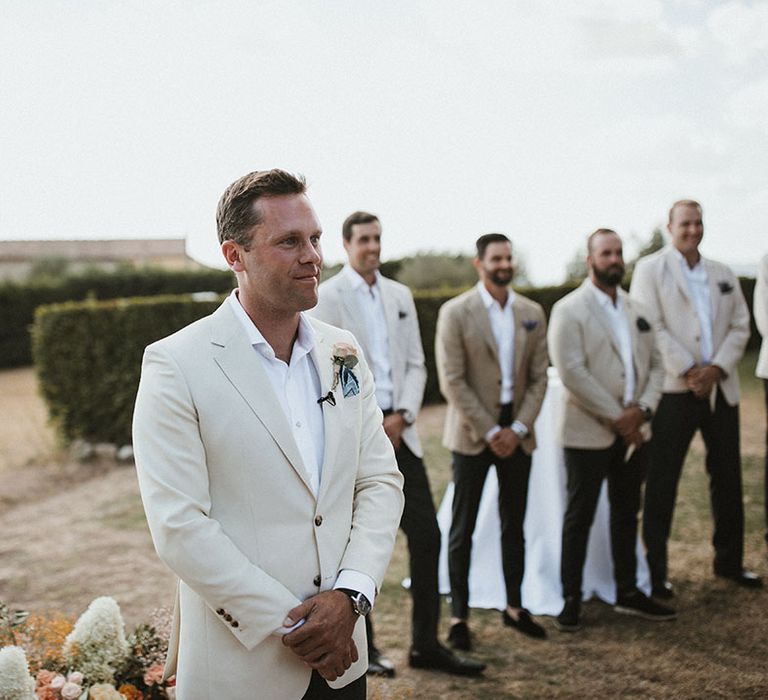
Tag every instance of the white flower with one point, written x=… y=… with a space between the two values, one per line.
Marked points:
x=15 y=681
x=96 y=646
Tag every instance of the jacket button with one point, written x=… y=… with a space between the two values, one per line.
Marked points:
x=228 y=617
x=316 y=581
x=235 y=623
x=319 y=520
x=220 y=611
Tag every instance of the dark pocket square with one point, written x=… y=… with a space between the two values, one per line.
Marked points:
x=642 y=324
x=401 y=314
x=725 y=287
x=529 y=324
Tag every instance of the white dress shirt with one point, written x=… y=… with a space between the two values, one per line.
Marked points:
x=375 y=321
x=616 y=314
x=698 y=286
x=297 y=388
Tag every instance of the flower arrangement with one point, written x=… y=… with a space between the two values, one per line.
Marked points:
x=92 y=660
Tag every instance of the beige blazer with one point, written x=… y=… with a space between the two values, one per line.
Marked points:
x=231 y=511
x=587 y=355
x=338 y=306
x=760 y=310
x=659 y=284
x=469 y=372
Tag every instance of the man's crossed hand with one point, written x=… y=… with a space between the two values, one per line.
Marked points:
x=324 y=642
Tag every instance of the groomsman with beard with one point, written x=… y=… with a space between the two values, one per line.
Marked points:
x=702 y=324
x=491 y=351
x=604 y=350
x=382 y=315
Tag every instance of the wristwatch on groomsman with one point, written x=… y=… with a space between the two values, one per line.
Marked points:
x=360 y=604
x=647 y=412
x=408 y=417
x=519 y=429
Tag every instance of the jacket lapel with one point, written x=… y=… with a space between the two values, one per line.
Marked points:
x=238 y=361
x=715 y=295
x=321 y=356
x=593 y=307
x=391 y=310
x=521 y=337
x=477 y=311
x=353 y=316
x=673 y=264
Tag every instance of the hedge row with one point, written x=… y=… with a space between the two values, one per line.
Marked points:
x=88 y=355
x=18 y=300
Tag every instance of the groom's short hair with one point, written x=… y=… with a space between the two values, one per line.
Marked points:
x=358 y=217
x=236 y=216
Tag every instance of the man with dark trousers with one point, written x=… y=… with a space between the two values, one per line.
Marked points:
x=702 y=325
x=382 y=315
x=760 y=310
x=605 y=352
x=491 y=351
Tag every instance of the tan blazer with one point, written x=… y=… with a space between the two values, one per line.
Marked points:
x=587 y=356
x=659 y=284
x=338 y=306
x=760 y=310
x=231 y=511
x=470 y=375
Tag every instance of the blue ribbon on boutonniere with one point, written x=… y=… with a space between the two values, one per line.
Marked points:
x=725 y=287
x=344 y=358
x=529 y=324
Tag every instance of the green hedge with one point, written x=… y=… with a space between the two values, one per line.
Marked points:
x=88 y=359
x=88 y=354
x=18 y=300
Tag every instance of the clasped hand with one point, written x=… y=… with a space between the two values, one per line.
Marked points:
x=627 y=425
x=700 y=380
x=504 y=443
x=324 y=642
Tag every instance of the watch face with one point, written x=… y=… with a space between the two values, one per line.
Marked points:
x=362 y=604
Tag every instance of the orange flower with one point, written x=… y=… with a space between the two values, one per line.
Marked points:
x=130 y=692
x=42 y=637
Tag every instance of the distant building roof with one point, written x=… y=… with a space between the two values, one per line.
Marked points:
x=134 y=249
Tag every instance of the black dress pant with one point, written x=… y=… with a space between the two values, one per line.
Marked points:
x=469 y=473
x=586 y=470
x=765 y=482
x=419 y=523
x=677 y=418
x=320 y=690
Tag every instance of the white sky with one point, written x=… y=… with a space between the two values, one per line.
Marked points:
x=540 y=119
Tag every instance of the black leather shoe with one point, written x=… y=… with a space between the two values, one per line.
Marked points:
x=442 y=659
x=379 y=665
x=568 y=619
x=748 y=579
x=524 y=623
x=663 y=591
x=640 y=605
x=458 y=636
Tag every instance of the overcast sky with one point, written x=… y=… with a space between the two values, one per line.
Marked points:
x=543 y=120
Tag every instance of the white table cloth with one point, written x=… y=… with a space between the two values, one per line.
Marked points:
x=541 y=590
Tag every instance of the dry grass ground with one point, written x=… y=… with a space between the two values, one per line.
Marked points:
x=70 y=532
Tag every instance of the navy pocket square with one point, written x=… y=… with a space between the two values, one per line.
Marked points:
x=725 y=287
x=642 y=324
x=529 y=324
x=401 y=314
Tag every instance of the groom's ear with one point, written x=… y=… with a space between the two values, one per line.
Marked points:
x=233 y=254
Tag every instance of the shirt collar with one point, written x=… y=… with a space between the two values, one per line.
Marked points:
x=357 y=281
x=684 y=263
x=305 y=339
x=489 y=301
x=603 y=298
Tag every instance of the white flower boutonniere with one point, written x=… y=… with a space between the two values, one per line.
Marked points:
x=344 y=357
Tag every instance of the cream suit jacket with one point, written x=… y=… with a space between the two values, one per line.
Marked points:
x=760 y=310
x=231 y=511
x=659 y=284
x=338 y=306
x=587 y=355
x=470 y=375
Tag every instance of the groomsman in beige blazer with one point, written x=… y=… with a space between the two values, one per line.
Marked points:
x=381 y=313
x=760 y=310
x=491 y=351
x=702 y=324
x=605 y=352
x=269 y=484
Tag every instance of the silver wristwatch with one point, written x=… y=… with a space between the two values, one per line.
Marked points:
x=360 y=604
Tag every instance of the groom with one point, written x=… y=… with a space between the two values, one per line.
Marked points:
x=269 y=484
